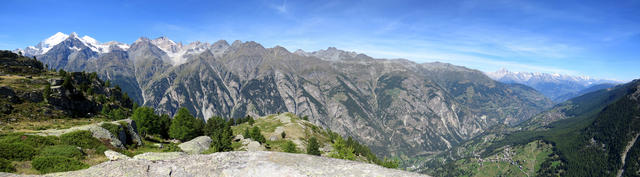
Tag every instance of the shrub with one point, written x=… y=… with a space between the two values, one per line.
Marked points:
x=313 y=147
x=32 y=140
x=16 y=151
x=283 y=134
x=82 y=138
x=342 y=151
x=62 y=150
x=171 y=147
x=6 y=166
x=289 y=147
x=49 y=164
x=184 y=126
x=389 y=163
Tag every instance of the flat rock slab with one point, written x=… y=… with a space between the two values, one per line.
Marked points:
x=153 y=156
x=237 y=163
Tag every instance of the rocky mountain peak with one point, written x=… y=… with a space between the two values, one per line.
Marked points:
x=331 y=54
x=220 y=44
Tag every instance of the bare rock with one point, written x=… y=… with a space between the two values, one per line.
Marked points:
x=113 y=155
x=238 y=163
x=154 y=156
x=254 y=146
x=196 y=145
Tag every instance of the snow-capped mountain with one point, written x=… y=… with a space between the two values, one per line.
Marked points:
x=93 y=44
x=177 y=52
x=558 y=87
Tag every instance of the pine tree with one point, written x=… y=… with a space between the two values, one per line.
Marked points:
x=220 y=132
x=257 y=136
x=251 y=121
x=46 y=92
x=246 y=133
x=149 y=123
x=183 y=126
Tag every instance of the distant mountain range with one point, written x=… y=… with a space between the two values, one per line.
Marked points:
x=558 y=87
x=397 y=107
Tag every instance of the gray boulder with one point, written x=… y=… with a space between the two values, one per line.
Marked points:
x=254 y=146
x=238 y=163
x=113 y=155
x=196 y=145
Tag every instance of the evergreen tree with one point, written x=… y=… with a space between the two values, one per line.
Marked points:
x=67 y=82
x=246 y=133
x=250 y=120
x=283 y=134
x=46 y=92
x=184 y=125
x=149 y=123
x=257 y=136
x=313 y=148
x=220 y=132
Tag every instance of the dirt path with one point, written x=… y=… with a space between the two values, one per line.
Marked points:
x=624 y=154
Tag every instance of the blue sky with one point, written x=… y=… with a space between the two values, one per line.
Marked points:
x=594 y=38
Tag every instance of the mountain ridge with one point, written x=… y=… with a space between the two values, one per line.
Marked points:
x=394 y=105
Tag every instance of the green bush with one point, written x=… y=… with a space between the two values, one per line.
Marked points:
x=171 y=147
x=6 y=166
x=342 y=151
x=82 y=138
x=313 y=148
x=289 y=147
x=32 y=140
x=62 y=150
x=16 y=151
x=49 y=164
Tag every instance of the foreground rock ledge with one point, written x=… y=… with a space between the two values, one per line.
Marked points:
x=238 y=163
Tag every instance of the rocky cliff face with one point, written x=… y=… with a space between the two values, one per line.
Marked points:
x=394 y=106
x=237 y=163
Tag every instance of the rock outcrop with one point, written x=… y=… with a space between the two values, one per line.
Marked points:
x=154 y=156
x=117 y=140
x=237 y=163
x=196 y=145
